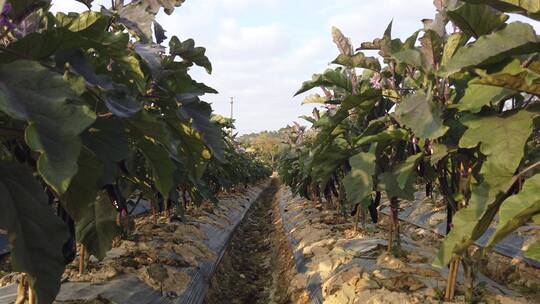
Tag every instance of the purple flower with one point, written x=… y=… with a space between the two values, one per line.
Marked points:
x=6 y=9
x=4 y=19
x=331 y=106
x=376 y=82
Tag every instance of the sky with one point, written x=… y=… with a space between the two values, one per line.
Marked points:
x=262 y=50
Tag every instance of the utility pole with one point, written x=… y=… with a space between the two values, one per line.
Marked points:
x=232 y=104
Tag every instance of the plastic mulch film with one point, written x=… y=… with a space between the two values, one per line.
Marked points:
x=314 y=282
x=435 y=221
x=129 y=289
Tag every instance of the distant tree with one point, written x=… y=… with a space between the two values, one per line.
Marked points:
x=267 y=146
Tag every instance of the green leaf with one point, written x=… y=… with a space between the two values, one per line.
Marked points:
x=454 y=42
x=513 y=76
x=190 y=53
x=477 y=19
x=151 y=55
x=409 y=56
x=327 y=159
x=181 y=83
x=527 y=8
x=515 y=39
x=95 y=219
x=107 y=139
x=337 y=78
x=388 y=135
x=121 y=103
x=77 y=22
x=476 y=96
x=314 y=98
x=162 y=166
x=149 y=125
x=36 y=234
x=517 y=210
x=199 y=114
x=407 y=169
x=502 y=140
x=358 y=182
x=419 y=112
x=130 y=68
x=30 y=92
x=388 y=181
x=439 y=152
x=358 y=60
x=192 y=150
x=97 y=227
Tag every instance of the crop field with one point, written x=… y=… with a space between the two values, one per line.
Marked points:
x=414 y=179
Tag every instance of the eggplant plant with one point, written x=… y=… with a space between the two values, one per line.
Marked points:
x=94 y=110
x=456 y=111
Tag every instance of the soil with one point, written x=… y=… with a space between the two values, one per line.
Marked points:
x=258 y=263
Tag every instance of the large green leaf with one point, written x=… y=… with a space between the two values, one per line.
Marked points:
x=358 y=60
x=358 y=182
x=388 y=181
x=121 y=103
x=181 y=83
x=514 y=39
x=97 y=227
x=193 y=152
x=77 y=22
x=36 y=234
x=190 y=53
x=327 y=159
x=162 y=166
x=336 y=78
x=30 y=92
x=95 y=219
x=502 y=141
x=419 y=112
x=199 y=114
x=529 y=8
x=513 y=76
x=388 y=135
x=150 y=125
x=517 y=210
x=151 y=55
x=407 y=169
x=107 y=139
x=409 y=56
x=476 y=96
x=453 y=43
x=477 y=19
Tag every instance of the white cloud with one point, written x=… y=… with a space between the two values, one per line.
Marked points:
x=262 y=50
x=241 y=42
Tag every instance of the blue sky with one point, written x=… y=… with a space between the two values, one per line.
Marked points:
x=262 y=50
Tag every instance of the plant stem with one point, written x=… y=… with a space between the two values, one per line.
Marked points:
x=82 y=257
x=31 y=296
x=21 y=290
